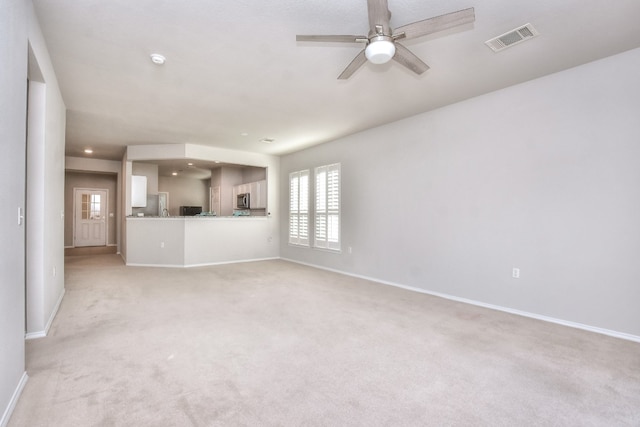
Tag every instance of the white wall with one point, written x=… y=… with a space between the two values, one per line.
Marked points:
x=542 y=176
x=198 y=241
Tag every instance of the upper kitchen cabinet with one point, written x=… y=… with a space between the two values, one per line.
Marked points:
x=138 y=191
x=258 y=193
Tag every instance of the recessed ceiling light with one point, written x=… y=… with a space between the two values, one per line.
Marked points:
x=267 y=140
x=174 y=173
x=88 y=150
x=244 y=134
x=189 y=164
x=157 y=59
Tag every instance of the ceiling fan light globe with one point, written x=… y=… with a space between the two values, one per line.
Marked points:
x=380 y=51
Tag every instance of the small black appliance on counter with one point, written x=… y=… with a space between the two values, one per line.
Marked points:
x=190 y=210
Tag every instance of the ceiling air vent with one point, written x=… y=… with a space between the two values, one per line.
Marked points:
x=512 y=37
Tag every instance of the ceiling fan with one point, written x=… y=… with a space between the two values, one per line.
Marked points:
x=381 y=43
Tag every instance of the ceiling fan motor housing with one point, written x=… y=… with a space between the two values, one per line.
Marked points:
x=380 y=49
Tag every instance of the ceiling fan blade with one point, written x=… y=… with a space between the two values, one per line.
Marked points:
x=437 y=23
x=405 y=57
x=379 y=15
x=333 y=39
x=357 y=62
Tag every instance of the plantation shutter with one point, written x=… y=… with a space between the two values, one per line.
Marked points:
x=299 y=208
x=327 y=212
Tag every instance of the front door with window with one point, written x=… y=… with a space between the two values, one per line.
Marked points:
x=90 y=226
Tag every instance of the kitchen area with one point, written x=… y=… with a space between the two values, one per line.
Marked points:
x=168 y=188
x=202 y=209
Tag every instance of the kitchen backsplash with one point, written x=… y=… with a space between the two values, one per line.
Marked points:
x=152 y=206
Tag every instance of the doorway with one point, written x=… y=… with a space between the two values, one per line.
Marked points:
x=90 y=209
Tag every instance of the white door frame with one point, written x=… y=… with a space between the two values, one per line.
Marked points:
x=76 y=190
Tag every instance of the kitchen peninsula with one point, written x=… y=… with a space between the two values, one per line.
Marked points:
x=197 y=240
x=190 y=241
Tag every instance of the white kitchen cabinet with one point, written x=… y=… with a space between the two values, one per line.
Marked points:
x=234 y=199
x=259 y=194
x=242 y=188
x=138 y=191
x=253 y=191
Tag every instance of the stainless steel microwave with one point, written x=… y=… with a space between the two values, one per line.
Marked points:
x=243 y=201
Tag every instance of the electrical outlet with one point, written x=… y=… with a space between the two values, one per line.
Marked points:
x=515 y=273
x=162 y=244
x=350 y=250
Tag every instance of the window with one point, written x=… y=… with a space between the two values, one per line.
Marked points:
x=327 y=212
x=299 y=208
x=90 y=206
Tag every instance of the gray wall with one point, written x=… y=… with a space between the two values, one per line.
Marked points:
x=253 y=174
x=45 y=188
x=185 y=192
x=150 y=171
x=230 y=177
x=100 y=167
x=13 y=57
x=542 y=176
x=93 y=181
x=18 y=31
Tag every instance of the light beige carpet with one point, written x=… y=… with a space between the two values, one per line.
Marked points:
x=279 y=344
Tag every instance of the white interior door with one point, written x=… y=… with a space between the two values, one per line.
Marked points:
x=90 y=226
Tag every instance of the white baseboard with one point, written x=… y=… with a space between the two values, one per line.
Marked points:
x=4 y=421
x=230 y=262
x=42 y=334
x=615 y=334
x=108 y=244
x=209 y=264
x=137 y=264
x=35 y=335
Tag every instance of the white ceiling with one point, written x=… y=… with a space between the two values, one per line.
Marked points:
x=235 y=67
